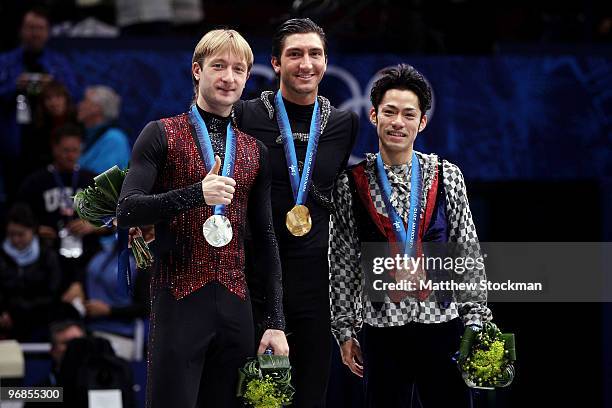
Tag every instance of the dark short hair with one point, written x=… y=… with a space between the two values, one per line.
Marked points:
x=406 y=77
x=39 y=11
x=295 y=26
x=22 y=214
x=61 y=325
x=67 y=130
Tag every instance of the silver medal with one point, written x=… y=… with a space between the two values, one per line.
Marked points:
x=217 y=230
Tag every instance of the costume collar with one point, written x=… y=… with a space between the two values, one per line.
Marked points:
x=429 y=165
x=267 y=97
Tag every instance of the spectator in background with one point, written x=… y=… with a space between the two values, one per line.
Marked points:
x=49 y=194
x=23 y=71
x=81 y=363
x=155 y=17
x=111 y=314
x=61 y=333
x=90 y=363
x=55 y=109
x=29 y=279
x=106 y=144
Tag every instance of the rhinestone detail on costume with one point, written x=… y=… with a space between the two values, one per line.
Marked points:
x=192 y=262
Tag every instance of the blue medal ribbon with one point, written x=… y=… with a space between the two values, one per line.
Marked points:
x=124 y=276
x=208 y=153
x=299 y=185
x=406 y=235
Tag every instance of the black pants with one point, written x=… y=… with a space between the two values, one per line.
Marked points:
x=196 y=346
x=396 y=358
x=306 y=307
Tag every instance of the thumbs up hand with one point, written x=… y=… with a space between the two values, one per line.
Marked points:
x=216 y=166
x=217 y=189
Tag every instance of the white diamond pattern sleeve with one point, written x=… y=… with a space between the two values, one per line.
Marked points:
x=472 y=304
x=344 y=265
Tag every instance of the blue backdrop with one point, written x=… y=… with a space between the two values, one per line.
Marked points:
x=503 y=117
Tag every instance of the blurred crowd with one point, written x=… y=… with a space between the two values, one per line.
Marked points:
x=58 y=273
x=409 y=26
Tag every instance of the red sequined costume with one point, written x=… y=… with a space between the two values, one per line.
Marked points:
x=191 y=263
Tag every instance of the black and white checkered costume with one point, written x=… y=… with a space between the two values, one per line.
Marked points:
x=350 y=307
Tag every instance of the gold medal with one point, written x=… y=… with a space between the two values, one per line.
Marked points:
x=298 y=221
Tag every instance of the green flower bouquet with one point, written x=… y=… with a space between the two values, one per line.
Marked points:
x=486 y=357
x=97 y=205
x=265 y=382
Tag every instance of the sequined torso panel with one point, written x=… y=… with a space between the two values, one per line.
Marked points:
x=192 y=262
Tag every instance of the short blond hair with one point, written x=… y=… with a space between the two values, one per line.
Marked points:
x=221 y=40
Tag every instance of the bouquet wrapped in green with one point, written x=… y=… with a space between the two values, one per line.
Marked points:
x=265 y=382
x=97 y=205
x=486 y=357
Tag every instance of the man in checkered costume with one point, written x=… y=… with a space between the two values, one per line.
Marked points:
x=407 y=340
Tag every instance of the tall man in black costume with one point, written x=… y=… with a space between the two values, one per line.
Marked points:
x=309 y=143
x=201 y=320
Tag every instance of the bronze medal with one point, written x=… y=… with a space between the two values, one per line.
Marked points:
x=298 y=221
